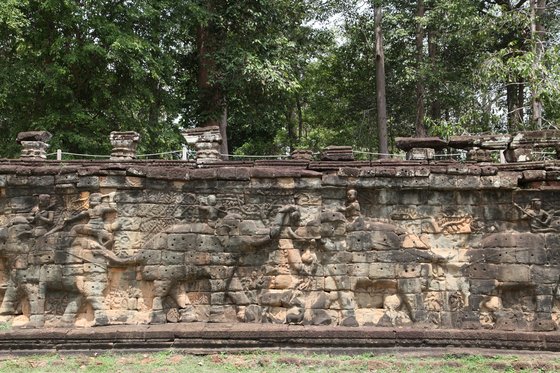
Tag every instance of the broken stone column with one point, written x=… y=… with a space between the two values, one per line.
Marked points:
x=519 y=155
x=480 y=155
x=481 y=148
x=124 y=144
x=421 y=154
x=337 y=153
x=34 y=144
x=206 y=142
x=420 y=148
x=302 y=155
x=524 y=145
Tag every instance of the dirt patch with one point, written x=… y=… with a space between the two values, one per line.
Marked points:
x=499 y=366
x=175 y=359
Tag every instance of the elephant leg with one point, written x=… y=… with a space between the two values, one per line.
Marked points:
x=348 y=314
x=161 y=290
x=93 y=292
x=36 y=294
x=8 y=307
x=186 y=310
x=71 y=311
x=180 y=296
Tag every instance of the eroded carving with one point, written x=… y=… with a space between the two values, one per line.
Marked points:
x=279 y=250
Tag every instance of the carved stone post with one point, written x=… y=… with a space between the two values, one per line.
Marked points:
x=420 y=148
x=337 y=153
x=302 y=155
x=420 y=154
x=124 y=144
x=34 y=144
x=206 y=141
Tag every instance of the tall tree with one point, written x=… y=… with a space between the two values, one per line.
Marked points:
x=380 y=83
x=420 y=86
x=537 y=35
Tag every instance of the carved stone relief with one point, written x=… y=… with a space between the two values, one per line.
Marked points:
x=333 y=255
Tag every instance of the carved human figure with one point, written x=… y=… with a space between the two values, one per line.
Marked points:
x=334 y=227
x=97 y=230
x=243 y=237
x=291 y=266
x=540 y=220
x=210 y=211
x=352 y=208
x=292 y=261
x=90 y=279
x=27 y=237
x=41 y=216
x=15 y=247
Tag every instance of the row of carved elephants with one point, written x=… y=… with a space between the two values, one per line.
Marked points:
x=337 y=267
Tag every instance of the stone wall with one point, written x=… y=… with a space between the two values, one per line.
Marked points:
x=416 y=244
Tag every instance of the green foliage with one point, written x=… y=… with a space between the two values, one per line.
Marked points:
x=291 y=73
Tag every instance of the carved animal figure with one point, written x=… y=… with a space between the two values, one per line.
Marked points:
x=67 y=264
x=182 y=254
x=514 y=280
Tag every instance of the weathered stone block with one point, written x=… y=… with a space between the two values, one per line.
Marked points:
x=337 y=283
x=408 y=270
x=88 y=182
x=410 y=285
x=170 y=257
x=336 y=269
x=183 y=242
x=545 y=274
x=482 y=286
x=169 y=272
x=358 y=270
x=482 y=271
x=514 y=240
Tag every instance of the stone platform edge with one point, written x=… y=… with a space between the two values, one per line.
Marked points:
x=216 y=338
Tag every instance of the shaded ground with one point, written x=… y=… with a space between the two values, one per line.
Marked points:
x=277 y=362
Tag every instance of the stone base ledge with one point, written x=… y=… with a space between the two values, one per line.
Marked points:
x=214 y=338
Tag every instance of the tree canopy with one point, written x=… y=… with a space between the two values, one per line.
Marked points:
x=278 y=75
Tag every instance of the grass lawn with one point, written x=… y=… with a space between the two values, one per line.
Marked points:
x=275 y=362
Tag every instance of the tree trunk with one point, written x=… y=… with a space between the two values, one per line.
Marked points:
x=223 y=132
x=380 y=84
x=300 y=117
x=420 y=88
x=289 y=124
x=514 y=98
x=211 y=103
x=537 y=36
x=519 y=113
x=435 y=103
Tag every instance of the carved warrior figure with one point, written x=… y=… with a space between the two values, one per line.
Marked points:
x=210 y=211
x=22 y=237
x=41 y=216
x=86 y=274
x=289 y=268
x=540 y=220
x=96 y=233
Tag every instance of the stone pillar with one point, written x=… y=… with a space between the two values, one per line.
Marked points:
x=519 y=155
x=480 y=155
x=420 y=154
x=420 y=148
x=206 y=142
x=124 y=144
x=337 y=153
x=34 y=144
